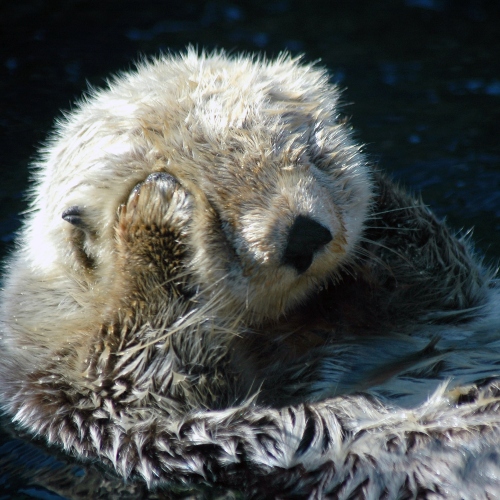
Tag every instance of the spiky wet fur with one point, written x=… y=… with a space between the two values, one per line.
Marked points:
x=156 y=329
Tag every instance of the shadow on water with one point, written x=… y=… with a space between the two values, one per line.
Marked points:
x=422 y=81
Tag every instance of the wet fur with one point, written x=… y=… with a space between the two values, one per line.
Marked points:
x=148 y=321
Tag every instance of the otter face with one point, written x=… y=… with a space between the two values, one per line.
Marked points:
x=271 y=225
x=279 y=191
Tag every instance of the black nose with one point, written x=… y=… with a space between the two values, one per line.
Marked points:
x=306 y=237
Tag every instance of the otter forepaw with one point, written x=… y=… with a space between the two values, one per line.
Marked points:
x=152 y=226
x=148 y=204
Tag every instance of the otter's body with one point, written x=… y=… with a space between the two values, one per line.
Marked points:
x=207 y=248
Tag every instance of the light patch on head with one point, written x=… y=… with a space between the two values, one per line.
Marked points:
x=120 y=107
x=219 y=116
x=117 y=148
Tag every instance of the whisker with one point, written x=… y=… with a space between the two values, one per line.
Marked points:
x=394 y=228
x=398 y=209
x=385 y=247
x=364 y=252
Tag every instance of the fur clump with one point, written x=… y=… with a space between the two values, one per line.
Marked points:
x=214 y=286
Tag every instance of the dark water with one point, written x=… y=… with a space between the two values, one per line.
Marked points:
x=422 y=80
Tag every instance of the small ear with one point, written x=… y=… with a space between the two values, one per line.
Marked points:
x=81 y=235
x=74 y=215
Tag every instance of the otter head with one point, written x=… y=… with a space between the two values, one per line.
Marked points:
x=276 y=216
x=279 y=192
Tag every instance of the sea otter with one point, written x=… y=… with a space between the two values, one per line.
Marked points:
x=215 y=285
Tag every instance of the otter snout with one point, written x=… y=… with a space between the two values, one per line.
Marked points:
x=305 y=238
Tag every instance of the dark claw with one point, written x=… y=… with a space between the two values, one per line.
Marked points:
x=73 y=215
x=161 y=176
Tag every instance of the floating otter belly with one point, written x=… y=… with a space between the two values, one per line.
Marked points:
x=214 y=285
